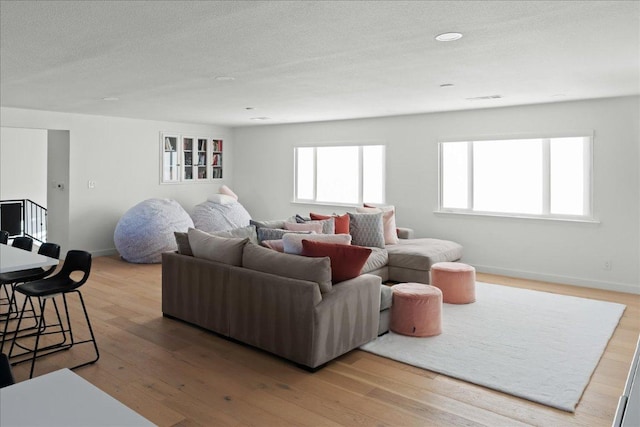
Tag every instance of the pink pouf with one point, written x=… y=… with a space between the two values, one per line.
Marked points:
x=456 y=280
x=416 y=310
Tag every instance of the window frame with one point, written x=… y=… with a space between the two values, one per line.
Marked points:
x=360 y=146
x=546 y=171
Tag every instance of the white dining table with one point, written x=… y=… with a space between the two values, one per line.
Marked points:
x=63 y=398
x=15 y=259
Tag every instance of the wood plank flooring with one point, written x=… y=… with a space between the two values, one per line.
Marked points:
x=178 y=375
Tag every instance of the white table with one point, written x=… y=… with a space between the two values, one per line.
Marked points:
x=62 y=398
x=15 y=259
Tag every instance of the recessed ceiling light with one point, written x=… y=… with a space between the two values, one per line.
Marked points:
x=111 y=98
x=448 y=37
x=447 y=85
x=248 y=108
x=260 y=118
x=224 y=78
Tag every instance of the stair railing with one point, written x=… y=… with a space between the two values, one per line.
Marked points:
x=24 y=217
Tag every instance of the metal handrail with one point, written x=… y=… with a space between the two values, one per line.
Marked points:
x=33 y=219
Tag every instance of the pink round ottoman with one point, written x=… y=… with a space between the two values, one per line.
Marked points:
x=456 y=280
x=416 y=310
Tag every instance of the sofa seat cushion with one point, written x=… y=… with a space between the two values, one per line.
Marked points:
x=378 y=259
x=421 y=254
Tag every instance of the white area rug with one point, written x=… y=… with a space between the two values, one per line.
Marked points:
x=536 y=345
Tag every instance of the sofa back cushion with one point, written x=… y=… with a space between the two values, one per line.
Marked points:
x=241 y=232
x=184 y=248
x=182 y=240
x=293 y=242
x=214 y=248
x=316 y=270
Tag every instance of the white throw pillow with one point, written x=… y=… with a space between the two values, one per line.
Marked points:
x=293 y=242
x=221 y=199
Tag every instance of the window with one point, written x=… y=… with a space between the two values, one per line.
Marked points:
x=340 y=174
x=538 y=177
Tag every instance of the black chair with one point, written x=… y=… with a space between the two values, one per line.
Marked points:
x=22 y=242
x=8 y=281
x=6 y=376
x=4 y=237
x=59 y=285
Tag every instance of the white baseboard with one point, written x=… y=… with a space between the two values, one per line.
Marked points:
x=565 y=280
x=105 y=252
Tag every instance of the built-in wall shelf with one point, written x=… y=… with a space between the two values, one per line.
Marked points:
x=186 y=158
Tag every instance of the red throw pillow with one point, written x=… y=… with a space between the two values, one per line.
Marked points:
x=346 y=260
x=341 y=222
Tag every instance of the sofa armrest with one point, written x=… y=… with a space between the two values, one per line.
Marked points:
x=405 y=233
x=346 y=318
x=273 y=313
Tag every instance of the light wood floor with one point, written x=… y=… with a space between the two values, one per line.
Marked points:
x=178 y=375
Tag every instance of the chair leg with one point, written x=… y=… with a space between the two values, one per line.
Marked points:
x=40 y=330
x=15 y=333
x=93 y=337
x=43 y=304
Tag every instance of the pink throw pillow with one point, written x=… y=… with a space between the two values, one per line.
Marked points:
x=276 y=245
x=313 y=226
x=226 y=190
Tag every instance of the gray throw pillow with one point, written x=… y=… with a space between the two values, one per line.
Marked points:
x=274 y=233
x=242 y=232
x=214 y=248
x=182 y=240
x=275 y=223
x=366 y=229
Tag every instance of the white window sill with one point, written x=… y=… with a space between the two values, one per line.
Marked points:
x=586 y=220
x=325 y=204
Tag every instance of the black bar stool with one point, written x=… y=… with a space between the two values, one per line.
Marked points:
x=59 y=285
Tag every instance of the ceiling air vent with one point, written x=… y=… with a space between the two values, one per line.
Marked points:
x=484 y=98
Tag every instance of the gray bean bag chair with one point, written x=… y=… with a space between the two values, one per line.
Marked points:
x=146 y=230
x=220 y=213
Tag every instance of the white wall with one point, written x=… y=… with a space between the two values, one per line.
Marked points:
x=564 y=252
x=23 y=164
x=122 y=156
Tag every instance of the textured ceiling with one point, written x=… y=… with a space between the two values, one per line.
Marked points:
x=309 y=61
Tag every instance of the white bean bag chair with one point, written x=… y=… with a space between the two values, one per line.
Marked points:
x=220 y=213
x=146 y=230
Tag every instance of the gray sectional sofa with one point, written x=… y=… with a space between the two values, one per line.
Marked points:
x=285 y=304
